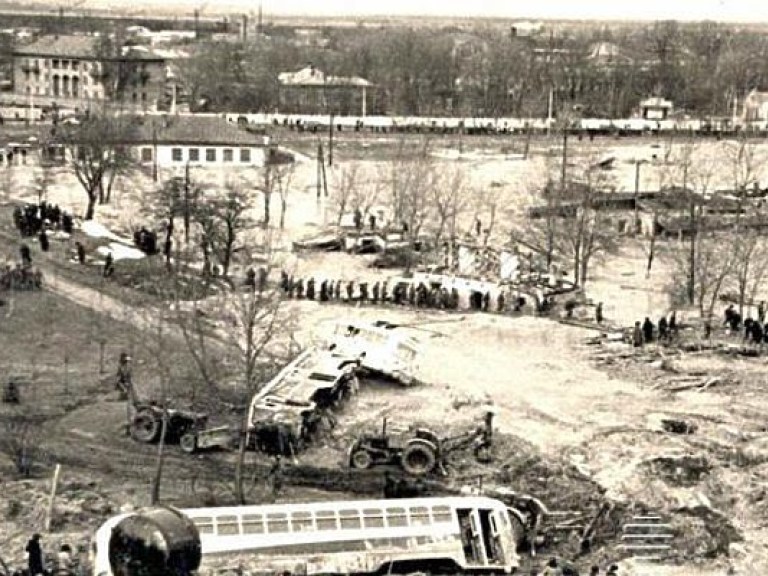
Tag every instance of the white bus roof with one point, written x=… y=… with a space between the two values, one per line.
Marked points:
x=452 y=501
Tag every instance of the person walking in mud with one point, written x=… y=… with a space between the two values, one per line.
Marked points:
x=34 y=556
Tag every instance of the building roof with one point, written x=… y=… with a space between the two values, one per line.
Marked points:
x=311 y=76
x=82 y=47
x=65 y=46
x=656 y=102
x=607 y=52
x=191 y=130
x=756 y=97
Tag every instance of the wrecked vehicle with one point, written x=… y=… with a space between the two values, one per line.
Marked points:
x=289 y=409
x=379 y=347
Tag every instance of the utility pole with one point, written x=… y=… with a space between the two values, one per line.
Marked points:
x=637 y=196
x=154 y=151
x=330 y=142
x=186 y=203
x=694 y=234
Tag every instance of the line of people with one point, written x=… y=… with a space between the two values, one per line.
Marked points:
x=401 y=293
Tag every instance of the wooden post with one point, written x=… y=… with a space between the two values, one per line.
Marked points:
x=102 y=345
x=66 y=373
x=54 y=486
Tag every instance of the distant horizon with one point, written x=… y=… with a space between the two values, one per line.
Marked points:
x=726 y=11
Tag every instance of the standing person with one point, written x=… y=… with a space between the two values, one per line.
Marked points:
x=276 y=476
x=648 y=330
x=109 y=265
x=637 y=335
x=478 y=227
x=337 y=290
x=350 y=290
x=64 y=561
x=372 y=221
x=486 y=301
x=673 y=322
x=384 y=292
x=311 y=289
x=26 y=255
x=80 y=252
x=44 y=243
x=663 y=328
x=375 y=292
x=34 y=556
x=761 y=312
x=599 y=313
x=124 y=382
x=358 y=219
x=500 y=303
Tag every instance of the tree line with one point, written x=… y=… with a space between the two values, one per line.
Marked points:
x=604 y=71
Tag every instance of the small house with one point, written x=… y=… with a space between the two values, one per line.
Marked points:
x=655 y=108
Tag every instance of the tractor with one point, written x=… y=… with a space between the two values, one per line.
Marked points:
x=419 y=451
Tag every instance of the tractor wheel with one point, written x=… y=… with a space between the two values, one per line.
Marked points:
x=188 y=443
x=419 y=457
x=145 y=427
x=361 y=459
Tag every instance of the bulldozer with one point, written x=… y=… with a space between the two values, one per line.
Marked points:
x=419 y=451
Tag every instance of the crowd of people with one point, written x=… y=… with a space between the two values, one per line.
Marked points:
x=34 y=219
x=417 y=294
x=21 y=275
x=647 y=332
x=754 y=330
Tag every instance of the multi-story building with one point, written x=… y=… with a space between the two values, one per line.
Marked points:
x=75 y=71
x=311 y=91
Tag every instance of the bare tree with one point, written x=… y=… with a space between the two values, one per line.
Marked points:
x=222 y=219
x=747 y=243
x=282 y=183
x=97 y=155
x=413 y=178
x=451 y=199
x=343 y=190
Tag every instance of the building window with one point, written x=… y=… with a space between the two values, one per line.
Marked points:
x=65 y=64
x=194 y=154
x=245 y=154
x=146 y=154
x=210 y=154
x=176 y=155
x=143 y=96
x=55 y=63
x=228 y=155
x=134 y=97
x=75 y=64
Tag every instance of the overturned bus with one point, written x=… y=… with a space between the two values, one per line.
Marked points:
x=291 y=407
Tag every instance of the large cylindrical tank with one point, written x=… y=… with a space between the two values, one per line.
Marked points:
x=155 y=542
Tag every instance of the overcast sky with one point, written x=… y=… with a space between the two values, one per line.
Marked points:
x=725 y=10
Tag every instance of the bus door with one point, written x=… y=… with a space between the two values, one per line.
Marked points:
x=502 y=540
x=472 y=537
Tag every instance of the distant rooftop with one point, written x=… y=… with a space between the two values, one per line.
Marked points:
x=65 y=46
x=311 y=76
x=193 y=130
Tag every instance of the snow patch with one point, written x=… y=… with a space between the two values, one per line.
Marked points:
x=120 y=251
x=97 y=230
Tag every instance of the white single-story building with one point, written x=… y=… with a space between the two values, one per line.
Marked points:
x=170 y=141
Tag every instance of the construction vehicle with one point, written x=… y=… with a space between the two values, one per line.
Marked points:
x=419 y=451
x=147 y=424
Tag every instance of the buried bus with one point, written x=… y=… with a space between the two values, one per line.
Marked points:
x=475 y=534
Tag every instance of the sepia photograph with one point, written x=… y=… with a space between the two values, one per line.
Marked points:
x=294 y=288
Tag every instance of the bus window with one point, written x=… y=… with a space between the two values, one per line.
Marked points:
x=326 y=520
x=419 y=516
x=350 y=519
x=253 y=524
x=442 y=514
x=204 y=525
x=277 y=523
x=396 y=517
x=373 y=518
x=227 y=525
x=301 y=522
